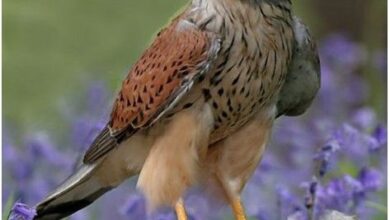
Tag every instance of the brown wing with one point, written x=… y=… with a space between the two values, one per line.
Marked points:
x=179 y=55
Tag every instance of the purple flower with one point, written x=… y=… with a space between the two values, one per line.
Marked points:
x=298 y=215
x=338 y=45
x=310 y=198
x=379 y=60
x=324 y=156
x=166 y=215
x=340 y=194
x=134 y=206
x=83 y=132
x=40 y=147
x=355 y=143
x=364 y=118
x=356 y=188
x=21 y=211
x=380 y=134
x=197 y=206
x=371 y=179
x=287 y=202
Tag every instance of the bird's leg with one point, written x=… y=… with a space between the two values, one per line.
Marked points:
x=180 y=210
x=232 y=196
x=238 y=208
x=232 y=161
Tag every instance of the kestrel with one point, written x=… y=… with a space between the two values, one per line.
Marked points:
x=199 y=105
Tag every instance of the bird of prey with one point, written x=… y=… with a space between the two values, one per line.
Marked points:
x=198 y=106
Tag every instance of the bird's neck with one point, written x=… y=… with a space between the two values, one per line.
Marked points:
x=247 y=11
x=243 y=6
x=283 y=3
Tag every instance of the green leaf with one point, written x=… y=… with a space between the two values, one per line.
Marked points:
x=8 y=207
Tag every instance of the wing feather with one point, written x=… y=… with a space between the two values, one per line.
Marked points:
x=180 y=54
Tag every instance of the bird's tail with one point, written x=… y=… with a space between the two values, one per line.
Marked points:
x=78 y=191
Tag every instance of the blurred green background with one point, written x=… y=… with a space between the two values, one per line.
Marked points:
x=52 y=48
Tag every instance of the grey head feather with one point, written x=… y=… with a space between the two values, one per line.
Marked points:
x=304 y=75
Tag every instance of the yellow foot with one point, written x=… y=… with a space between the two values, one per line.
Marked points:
x=238 y=209
x=180 y=210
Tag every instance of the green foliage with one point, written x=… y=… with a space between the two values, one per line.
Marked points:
x=50 y=47
x=8 y=207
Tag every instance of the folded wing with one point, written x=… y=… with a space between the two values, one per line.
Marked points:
x=180 y=54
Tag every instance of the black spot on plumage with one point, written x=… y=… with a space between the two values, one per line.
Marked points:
x=253 y=107
x=224 y=114
x=241 y=61
x=135 y=120
x=247 y=94
x=215 y=105
x=216 y=82
x=239 y=107
x=206 y=94
x=218 y=73
x=169 y=115
x=175 y=73
x=242 y=90
x=226 y=59
x=236 y=80
x=169 y=79
x=229 y=104
x=220 y=92
x=205 y=23
x=201 y=78
x=183 y=68
x=141 y=115
x=216 y=77
x=230 y=68
x=188 y=105
x=265 y=64
x=244 y=40
x=184 y=73
x=184 y=81
x=139 y=100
